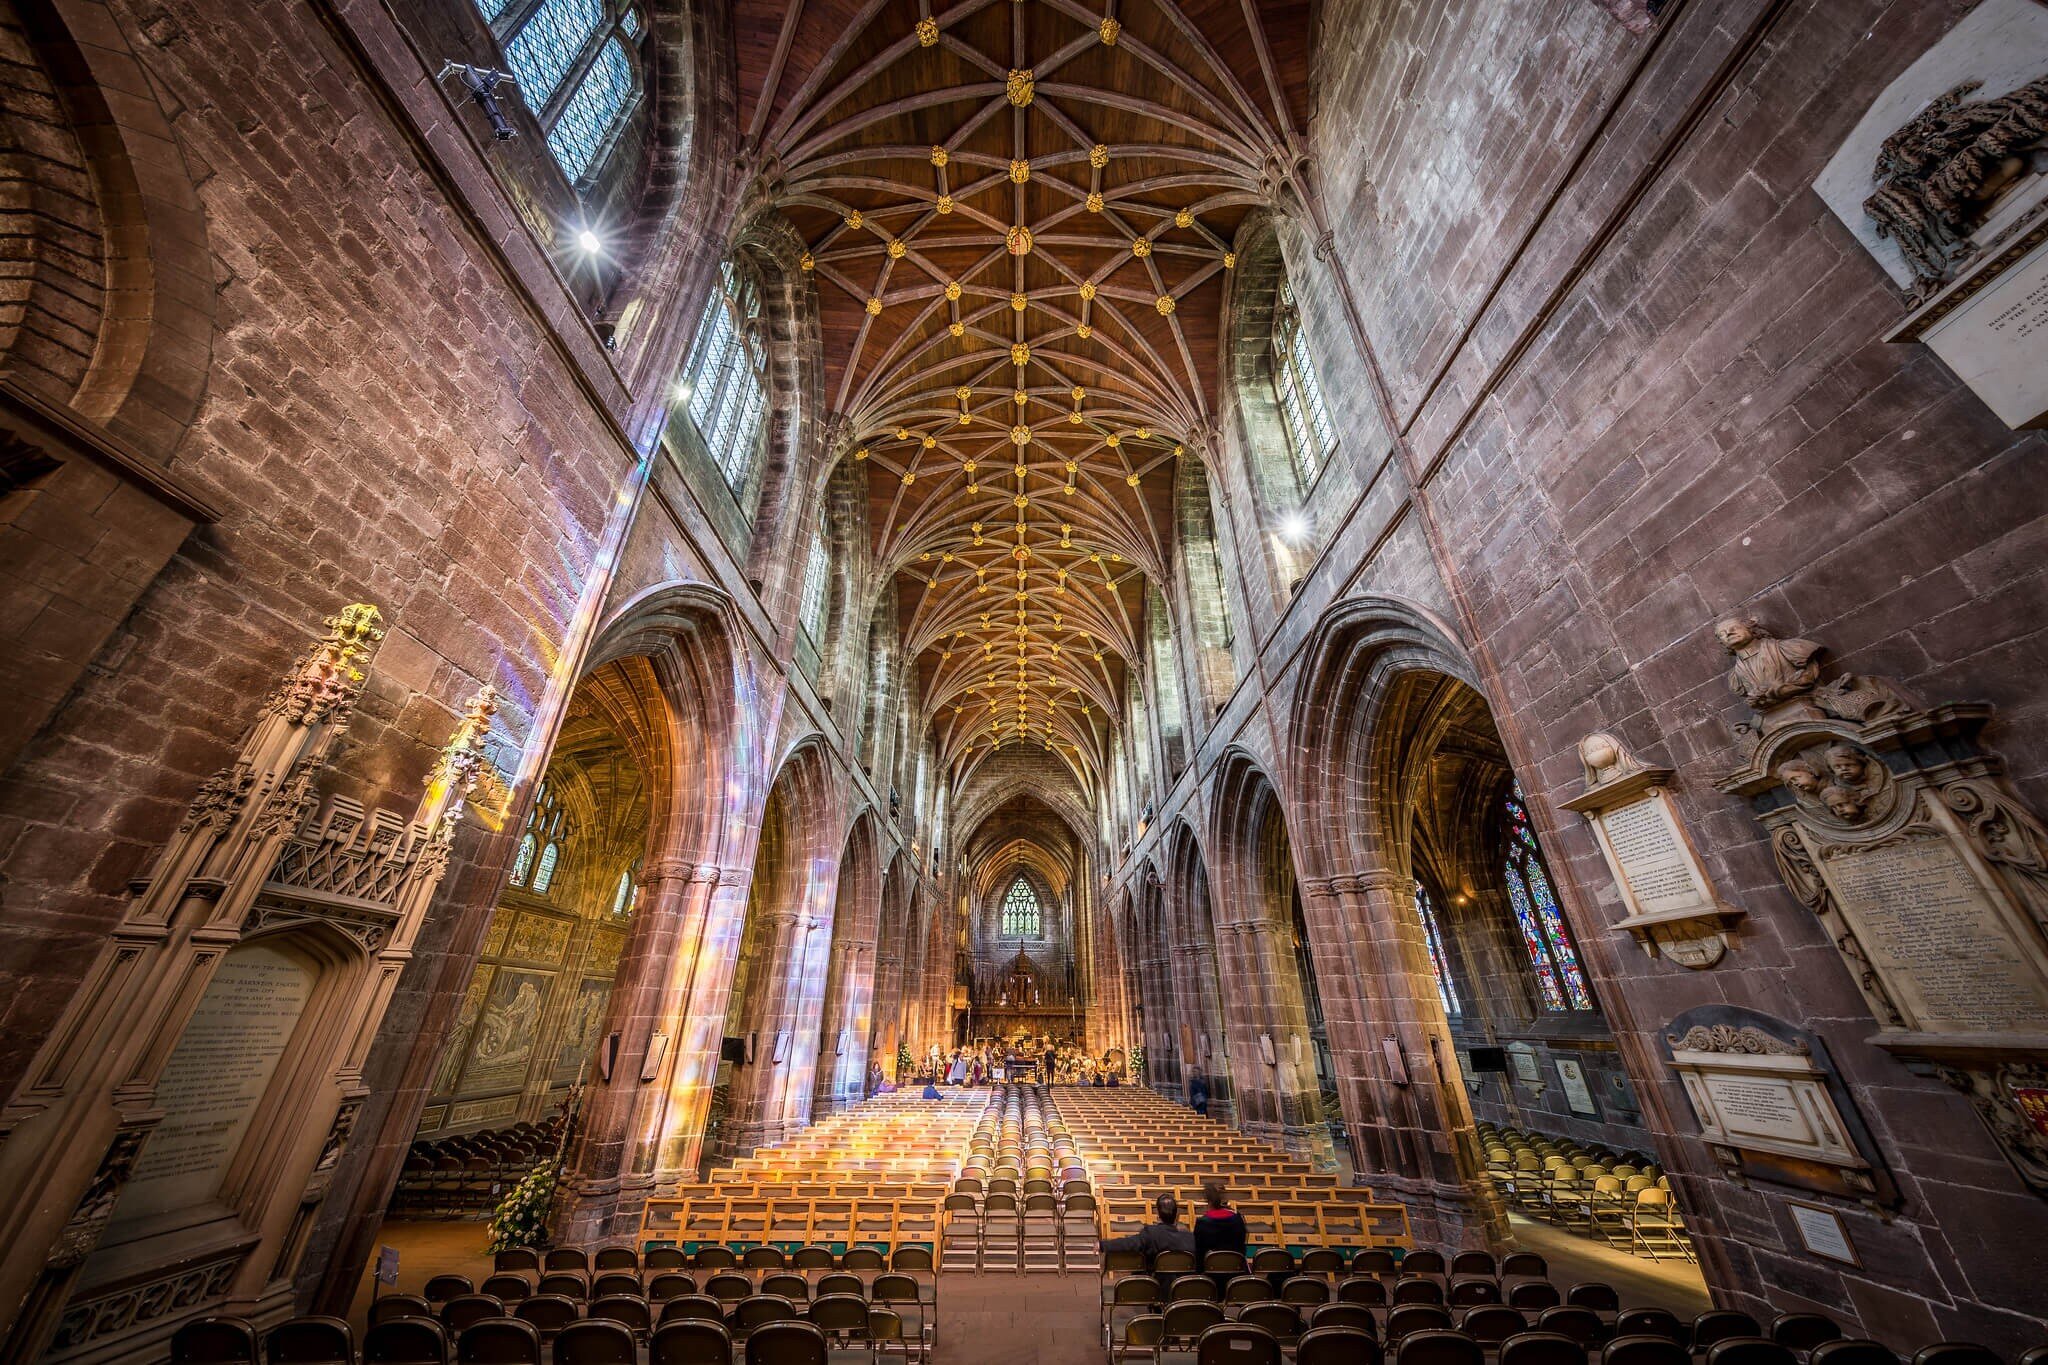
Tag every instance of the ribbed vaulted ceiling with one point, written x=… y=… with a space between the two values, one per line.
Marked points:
x=1019 y=213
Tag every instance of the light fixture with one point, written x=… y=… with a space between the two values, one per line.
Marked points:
x=1294 y=527
x=589 y=242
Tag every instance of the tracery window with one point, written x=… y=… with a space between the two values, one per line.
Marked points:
x=627 y=897
x=1309 y=429
x=728 y=370
x=1559 y=978
x=811 y=608
x=576 y=68
x=1021 y=917
x=1433 y=939
x=540 y=847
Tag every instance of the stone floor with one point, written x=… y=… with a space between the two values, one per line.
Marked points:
x=1056 y=1319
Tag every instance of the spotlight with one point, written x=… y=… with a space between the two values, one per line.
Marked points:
x=1295 y=527
x=589 y=241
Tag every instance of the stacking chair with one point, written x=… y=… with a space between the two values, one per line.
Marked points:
x=1352 y=1315
x=1644 y=1350
x=442 y=1288
x=464 y=1311
x=405 y=1341
x=516 y=1258
x=1524 y=1263
x=1236 y=1343
x=1953 y=1353
x=1305 y=1289
x=1416 y=1317
x=1337 y=1346
x=1804 y=1331
x=1245 y=1290
x=1472 y=1263
x=1423 y=1262
x=714 y=1258
x=630 y=1311
x=1492 y=1323
x=787 y=1284
x=1417 y=1289
x=565 y=1258
x=615 y=1258
x=1280 y=1319
x=1534 y=1295
x=1653 y=1322
x=1750 y=1351
x=1363 y=1290
x=1144 y=1335
x=386 y=1307
x=664 y=1258
x=596 y=1341
x=1540 y=1348
x=570 y=1284
x=1576 y=1321
x=215 y=1341
x=1592 y=1294
x=669 y=1284
x=1185 y=1322
x=549 y=1313
x=692 y=1308
x=1860 y=1351
x=690 y=1341
x=901 y=1294
x=498 y=1341
x=1326 y=1262
x=313 y=1340
x=843 y=1318
x=787 y=1343
x=1438 y=1346
x=1718 y=1324
x=506 y=1287
x=1193 y=1289
x=610 y=1282
x=729 y=1287
x=1467 y=1290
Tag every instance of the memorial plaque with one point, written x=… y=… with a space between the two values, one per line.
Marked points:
x=1822 y=1232
x=1651 y=859
x=1571 y=1076
x=1757 y=1107
x=1522 y=1058
x=214 y=1080
x=1935 y=937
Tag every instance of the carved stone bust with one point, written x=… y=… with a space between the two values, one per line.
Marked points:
x=1768 y=670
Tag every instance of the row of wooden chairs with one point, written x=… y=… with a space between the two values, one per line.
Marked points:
x=1022 y=1200
x=1139 y=1146
x=791 y=1340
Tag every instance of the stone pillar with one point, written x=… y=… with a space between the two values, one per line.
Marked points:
x=754 y=1117
x=848 y=1022
x=1411 y=1123
x=1294 y=1117
x=1200 y=1018
x=611 y=1172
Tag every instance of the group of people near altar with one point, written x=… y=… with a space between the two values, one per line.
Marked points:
x=994 y=1061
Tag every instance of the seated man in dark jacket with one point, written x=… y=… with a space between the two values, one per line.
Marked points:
x=1165 y=1235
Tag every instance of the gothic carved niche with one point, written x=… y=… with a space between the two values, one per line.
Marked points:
x=1893 y=826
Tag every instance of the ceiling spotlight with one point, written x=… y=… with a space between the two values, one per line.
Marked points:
x=1294 y=527
x=589 y=242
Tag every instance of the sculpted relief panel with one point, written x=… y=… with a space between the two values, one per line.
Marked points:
x=1893 y=826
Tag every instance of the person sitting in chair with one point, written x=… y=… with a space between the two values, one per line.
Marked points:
x=1165 y=1235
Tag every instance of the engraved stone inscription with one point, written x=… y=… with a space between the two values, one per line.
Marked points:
x=1758 y=1107
x=1936 y=938
x=1652 y=859
x=215 y=1079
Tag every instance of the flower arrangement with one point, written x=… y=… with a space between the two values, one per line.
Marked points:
x=906 y=1063
x=1138 y=1063
x=522 y=1216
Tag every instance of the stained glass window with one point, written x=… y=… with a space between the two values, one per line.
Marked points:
x=812 y=608
x=1307 y=418
x=540 y=847
x=1020 y=910
x=1559 y=978
x=544 y=871
x=728 y=369
x=1439 y=960
x=575 y=69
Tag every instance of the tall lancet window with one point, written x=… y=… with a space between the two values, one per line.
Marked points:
x=540 y=848
x=811 y=608
x=1021 y=916
x=577 y=68
x=728 y=369
x=1439 y=960
x=1309 y=429
x=1559 y=979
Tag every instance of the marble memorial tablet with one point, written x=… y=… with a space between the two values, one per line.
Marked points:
x=1935 y=937
x=1650 y=859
